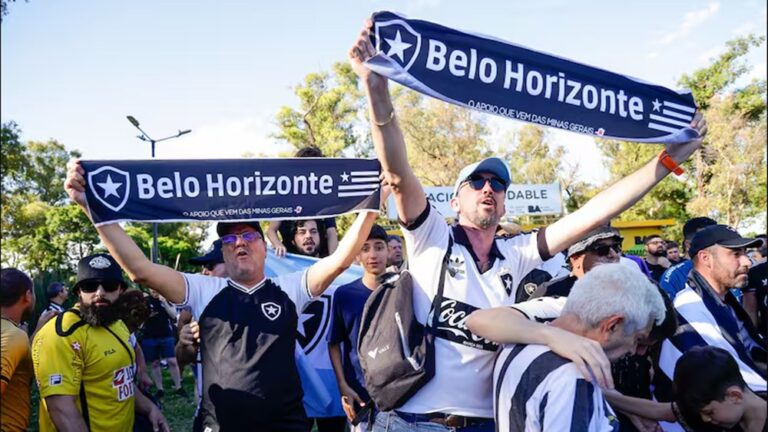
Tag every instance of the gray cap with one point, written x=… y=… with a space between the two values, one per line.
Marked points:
x=599 y=233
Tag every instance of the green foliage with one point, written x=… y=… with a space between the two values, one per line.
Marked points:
x=328 y=114
x=176 y=242
x=440 y=138
x=726 y=178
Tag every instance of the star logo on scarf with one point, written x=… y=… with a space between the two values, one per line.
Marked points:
x=344 y=177
x=76 y=346
x=110 y=187
x=656 y=105
x=397 y=47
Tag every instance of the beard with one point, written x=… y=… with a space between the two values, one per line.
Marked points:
x=99 y=316
x=659 y=253
x=485 y=222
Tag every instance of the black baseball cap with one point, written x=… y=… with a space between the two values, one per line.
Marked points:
x=54 y=289
x=695 y=224
x=377 y=232
x=98 y=267
x=222 y=228
x=212 y=256
x=721 y=235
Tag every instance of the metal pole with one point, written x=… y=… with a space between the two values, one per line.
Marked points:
x=153 y=253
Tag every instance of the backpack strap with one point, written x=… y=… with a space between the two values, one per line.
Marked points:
x=60 y=323
x=441 y=284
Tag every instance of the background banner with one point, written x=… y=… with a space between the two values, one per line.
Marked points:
x=229 y=189
x=512 y=81
x=521 y=200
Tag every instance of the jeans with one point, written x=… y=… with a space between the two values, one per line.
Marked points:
x=391 y=422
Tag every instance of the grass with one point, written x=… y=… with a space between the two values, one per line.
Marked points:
x=177 y=410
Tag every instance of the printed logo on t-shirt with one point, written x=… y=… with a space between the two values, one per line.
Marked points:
x=122 y=380
x=313 y=323
x=506 y=282
x=54 y=380
x=451 y=325
x=271 y=310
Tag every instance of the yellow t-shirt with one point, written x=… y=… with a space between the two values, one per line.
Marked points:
x=17 y=375
x=74 y=358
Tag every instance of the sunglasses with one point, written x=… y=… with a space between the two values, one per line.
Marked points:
x=477 y=182
x=93 y=286
x=605 y=250
x=248 y=236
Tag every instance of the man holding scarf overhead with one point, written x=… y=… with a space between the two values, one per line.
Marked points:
x=459 y=396
x=247 y=321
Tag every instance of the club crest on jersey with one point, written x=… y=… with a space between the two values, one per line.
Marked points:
x=271 y=310
x=506 y=282
x=313 y=323
x=398 y=41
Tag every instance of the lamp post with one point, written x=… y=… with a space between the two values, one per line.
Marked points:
x=145 y=137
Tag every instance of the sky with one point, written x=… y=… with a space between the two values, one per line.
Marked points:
x=73 y=70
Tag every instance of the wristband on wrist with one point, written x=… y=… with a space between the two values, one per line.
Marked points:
x=670 y=164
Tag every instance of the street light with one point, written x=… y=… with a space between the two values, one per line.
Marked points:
x=145 y=137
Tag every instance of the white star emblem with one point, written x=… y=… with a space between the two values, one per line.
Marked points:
x=397 y=47
x=110 y=187
x=508 y=283
x=656 y=105
x=271 y=310
x=302 y=319
x=344 y=177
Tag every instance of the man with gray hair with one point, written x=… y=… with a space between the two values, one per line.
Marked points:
x=537 y=389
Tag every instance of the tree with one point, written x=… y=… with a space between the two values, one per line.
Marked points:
x=440 y=138
x=176 y=242
x=328 y=116
x=726 y=179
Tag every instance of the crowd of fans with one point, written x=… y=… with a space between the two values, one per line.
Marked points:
x=552 y=330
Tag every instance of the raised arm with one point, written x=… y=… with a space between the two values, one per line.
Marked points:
x=505 y=325
x=322 y=273
x=387 y=136
x=168 y=282
x=621 y=195
x=274 y=240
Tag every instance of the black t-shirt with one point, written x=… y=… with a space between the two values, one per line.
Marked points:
x=247 y=350
x=758 y=282
x=656 y=270
x=159 y=324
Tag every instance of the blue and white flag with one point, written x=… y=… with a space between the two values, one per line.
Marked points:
x=498 y=77
x=229 y=189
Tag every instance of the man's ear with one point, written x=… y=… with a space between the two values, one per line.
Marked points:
x=455 y=204
x=734 y=394
x=611 y=324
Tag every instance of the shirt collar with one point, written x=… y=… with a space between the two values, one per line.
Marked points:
x=460 y=237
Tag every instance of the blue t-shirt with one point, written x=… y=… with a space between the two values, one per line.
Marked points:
x=347 y=312
x=673 y=280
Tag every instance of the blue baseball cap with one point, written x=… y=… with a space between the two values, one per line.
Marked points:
x=491 y=165
x=212 y=256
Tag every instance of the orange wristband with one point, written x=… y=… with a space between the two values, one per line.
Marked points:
x=670 y=164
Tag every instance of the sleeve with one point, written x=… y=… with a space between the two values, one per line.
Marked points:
x=58 y=361
x=329 y=223
x=427 y=231
x=13 y=350
x=541 y=309
x=200 y=290
x=570 y=403
x=295 y=285
x=338 y=331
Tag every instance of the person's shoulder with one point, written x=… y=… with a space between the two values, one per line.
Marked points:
x=13 y=335
x=350 y=288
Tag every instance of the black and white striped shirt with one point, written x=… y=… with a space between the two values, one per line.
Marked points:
x=537 y=390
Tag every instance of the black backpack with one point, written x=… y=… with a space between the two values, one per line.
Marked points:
x=396 y=352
